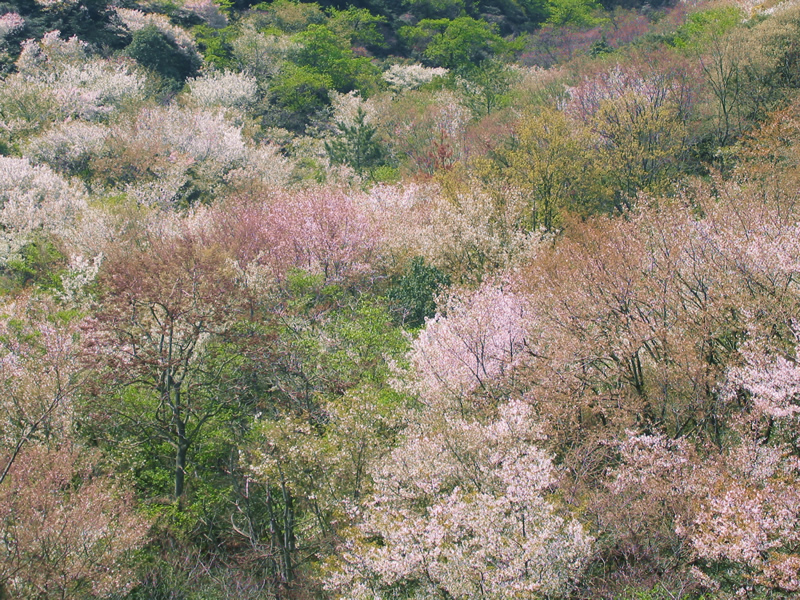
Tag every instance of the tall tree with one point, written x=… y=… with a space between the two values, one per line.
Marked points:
x=163 y=308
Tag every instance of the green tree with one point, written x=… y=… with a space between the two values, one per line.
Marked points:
x=485 y=87
x=574 y=13
x=156 y=337
x=152 y=49
x=548 y=161
x=643 y=144
x=329 y=54
x=433 y=9
x=289 y=15
x=414 y=294
x=462 y=43
x=39 y=262
x=359 y=26
x=532 y=12
x=300 y=92
x=329 y=412
x=215 y=44
x=356 y=146
x=706 y=26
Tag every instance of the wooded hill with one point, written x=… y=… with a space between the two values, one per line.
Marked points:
x=392 y=300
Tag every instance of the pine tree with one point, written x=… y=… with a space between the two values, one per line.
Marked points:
x=356 y=146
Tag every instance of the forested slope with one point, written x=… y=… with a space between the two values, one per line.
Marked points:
x=421 y=299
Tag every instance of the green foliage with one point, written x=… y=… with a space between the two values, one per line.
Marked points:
x=485 y=87
x=358 y=342
x=461 y=43
x=141 y=449
x=308 y=169
x=414 y=293
x=215 y=45
x=600 y=47
x=550 y=162
x=702 y=26
x=40 y=263
x=154 y=50
x=385 y=174
x=356 y=146
x=307 y=290
x=301 y=91
x=573 y=13
x=337 y=341
x=659 y=592
x=359 y=26
x=533 y=11
x=436 y=9
x=327 y=53
x=311 y=465
x=291 y=16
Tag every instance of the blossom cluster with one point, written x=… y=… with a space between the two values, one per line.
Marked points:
x=208 y=11
x=409 y=77
x=229 y=89
x=461 y=508
x=82 y=86
x=34 y=198
x=9 y=23
x=135 y=20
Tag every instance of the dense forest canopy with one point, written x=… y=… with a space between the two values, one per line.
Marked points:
x=433 y=299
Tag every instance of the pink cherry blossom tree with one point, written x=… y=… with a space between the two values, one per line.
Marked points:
x=460 y=507
x=460 y=511
x=67 y=530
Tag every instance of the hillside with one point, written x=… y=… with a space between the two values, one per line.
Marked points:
x=433 y=299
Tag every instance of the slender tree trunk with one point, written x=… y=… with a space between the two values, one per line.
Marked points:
x=181 y=443
x=288 y=533
x=180 y=460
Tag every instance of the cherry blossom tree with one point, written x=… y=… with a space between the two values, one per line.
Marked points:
x=184 y=155
x=640 y=503
x=35 y=199
x=9 y=23
x=459 y=511
x=161 y=309
x=321 y=230
x=168 y=153
x=427 y=130
x=84 y=86
x=68 y=531
x=472 y=346
x=409 y=77
x=744 y=532
x=729 y=512
x=66 y=528
x=227 y=89
x=459 y=508
x=464 y=229
x=208 y=11
x=67 y=148
x=39 y=374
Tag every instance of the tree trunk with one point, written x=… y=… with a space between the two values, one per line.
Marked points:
x=180 y=458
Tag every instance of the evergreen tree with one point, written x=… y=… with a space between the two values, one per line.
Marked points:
x=356 y=146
